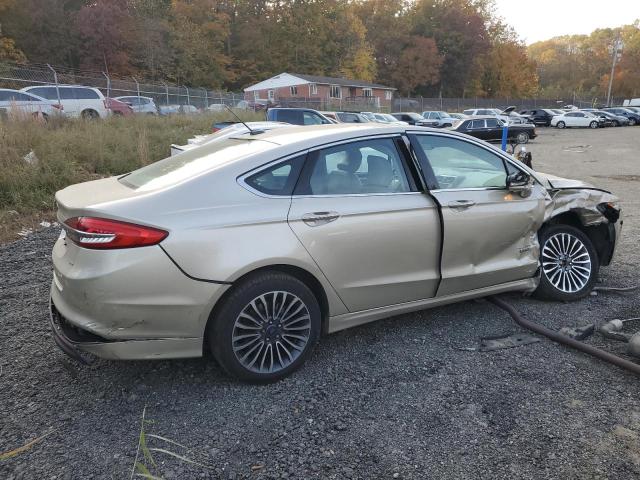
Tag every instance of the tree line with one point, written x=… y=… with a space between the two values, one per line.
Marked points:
x=456 y=48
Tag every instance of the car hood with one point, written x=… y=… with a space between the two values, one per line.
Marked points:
x=564 y=183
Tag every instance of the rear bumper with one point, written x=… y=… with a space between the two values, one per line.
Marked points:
x=84 y=346
x=127 y=304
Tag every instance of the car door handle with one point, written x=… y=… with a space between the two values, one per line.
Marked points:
x=316 y=219
x=461 y=204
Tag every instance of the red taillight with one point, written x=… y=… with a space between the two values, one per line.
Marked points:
x=59 y=106
x=215 y=129
x=102 y=233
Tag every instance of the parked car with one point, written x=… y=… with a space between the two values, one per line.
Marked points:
x=388 y=119
x=259 y=244
x=76 y=101
x=217 y=107
x=459 y=116
x=144 y=105
x=26 y=103
x=508 y=115
x=438 y=119
x=116 y=107
x=490 y=129
x=297 y=116
x=233 y=129
x=168 y=109
x=351 y=117
x=539 y=116
x=634 y=117
x=411 y=118
x=610 y=119
x=188 y=109
x=576 y=118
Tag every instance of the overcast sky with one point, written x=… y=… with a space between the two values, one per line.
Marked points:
x=542 y=19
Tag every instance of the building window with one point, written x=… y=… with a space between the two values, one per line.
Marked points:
x=256 y=95
x=367 y=92
x=313 y=89
x=271 y=94
x=294 y=90
x=388 y=95
x=335 y=91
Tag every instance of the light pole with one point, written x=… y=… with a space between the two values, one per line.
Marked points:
x=617 y=53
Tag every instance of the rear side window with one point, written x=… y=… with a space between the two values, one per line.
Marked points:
x=279 y=179
x=67 y=93
x=86 y=94
x=311 y=118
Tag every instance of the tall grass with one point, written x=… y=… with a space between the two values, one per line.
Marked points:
x=72 y=151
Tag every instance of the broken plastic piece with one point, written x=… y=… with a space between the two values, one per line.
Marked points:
x=488 y=344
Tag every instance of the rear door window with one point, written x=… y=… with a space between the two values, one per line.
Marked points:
x=364 y=167
x=86 y=94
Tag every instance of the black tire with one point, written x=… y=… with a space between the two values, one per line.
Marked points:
x=616 y=123
x=632 y=121
x=593 y=124
x=522 y=137
x=90 y=114
x=550 y=275
x=561 y=124
x=224 y=326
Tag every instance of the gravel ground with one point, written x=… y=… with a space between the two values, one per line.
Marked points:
x=400 y=398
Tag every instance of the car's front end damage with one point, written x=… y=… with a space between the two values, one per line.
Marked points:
x=594 y=211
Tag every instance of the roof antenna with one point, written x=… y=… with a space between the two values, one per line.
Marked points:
x=251 y=132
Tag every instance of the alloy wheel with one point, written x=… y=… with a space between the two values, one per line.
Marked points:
x=566 y=262
x=271 y=332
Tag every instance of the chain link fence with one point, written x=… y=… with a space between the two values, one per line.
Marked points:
x=18 y=76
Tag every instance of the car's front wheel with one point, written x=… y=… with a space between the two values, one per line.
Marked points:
x=569 y=263
x=523 y=137
x=266 y=328
x=632 y=121
x=593 y=125
x=561 y=125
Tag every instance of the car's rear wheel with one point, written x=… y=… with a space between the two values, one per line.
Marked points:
x=616 y=123
x=632 y=121
x=561 y=124
x=593 y=125
x=569 y=263
x=90 y=114
x=522 y=137
x=266 y=328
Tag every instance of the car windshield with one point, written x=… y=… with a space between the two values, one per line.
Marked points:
x=194 y=162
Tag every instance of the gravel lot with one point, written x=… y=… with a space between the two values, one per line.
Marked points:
x=401 y=398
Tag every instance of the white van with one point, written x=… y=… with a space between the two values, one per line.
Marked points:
x=85 y=102
x=634 y=102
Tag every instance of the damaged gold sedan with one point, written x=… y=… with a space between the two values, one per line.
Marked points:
x=252 y=247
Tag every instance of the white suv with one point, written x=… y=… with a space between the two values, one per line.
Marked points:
x=85 y=102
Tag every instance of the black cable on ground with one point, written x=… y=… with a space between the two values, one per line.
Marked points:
x=563 y=339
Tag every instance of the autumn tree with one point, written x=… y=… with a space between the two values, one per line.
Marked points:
x=106 y=30
x=418 y=65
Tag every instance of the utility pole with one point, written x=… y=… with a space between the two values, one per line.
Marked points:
x=617 y=53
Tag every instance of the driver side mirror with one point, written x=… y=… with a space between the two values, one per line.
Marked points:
x=520 y=182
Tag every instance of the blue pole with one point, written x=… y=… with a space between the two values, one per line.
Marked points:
x=505 y=134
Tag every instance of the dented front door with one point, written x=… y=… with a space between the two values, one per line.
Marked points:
x=489 y=234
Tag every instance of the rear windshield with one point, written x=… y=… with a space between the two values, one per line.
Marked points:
x=194 y=162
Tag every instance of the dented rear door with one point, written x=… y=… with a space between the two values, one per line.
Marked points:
x=489 y=234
